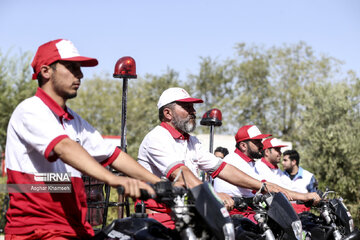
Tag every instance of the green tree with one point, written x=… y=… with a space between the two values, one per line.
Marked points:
x=291 y=68
x=15 y=86
x=99 y=103
x=329 y=136
x=252 y=89
x=213 y=84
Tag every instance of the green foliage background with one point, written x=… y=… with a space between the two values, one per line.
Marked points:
x=290 y=91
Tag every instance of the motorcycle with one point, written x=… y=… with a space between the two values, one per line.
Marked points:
x=275 y=217
x=333 y=222
x=197 y=212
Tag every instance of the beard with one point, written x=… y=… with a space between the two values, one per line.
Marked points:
x=62 y=93
x=254 y=155
x=186 y=125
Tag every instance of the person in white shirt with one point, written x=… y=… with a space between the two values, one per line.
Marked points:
x=169 y=148
x=302 y=179
x=248 y=148
x=268 y=168
x=46 y=138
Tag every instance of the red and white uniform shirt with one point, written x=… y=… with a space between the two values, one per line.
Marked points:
x=163 y=150
x=272 y=174
x=35 y=127
x=245 y=164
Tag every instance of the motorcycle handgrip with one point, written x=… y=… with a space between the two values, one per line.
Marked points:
x=239 y=202
x=120 y=190
x=306 y=204
x=144 y=194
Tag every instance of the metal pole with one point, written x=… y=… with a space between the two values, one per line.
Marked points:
x=211 y=138
x=123 y=115
x=123 y=145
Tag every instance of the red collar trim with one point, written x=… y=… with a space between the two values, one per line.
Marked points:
x=267 y=163
x=174 y=133
x=53 y=105
x=243 y=156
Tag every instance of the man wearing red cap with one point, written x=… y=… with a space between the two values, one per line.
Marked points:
x=268 y=168
x=169 y=148
x=48 y=142
x=248 y=148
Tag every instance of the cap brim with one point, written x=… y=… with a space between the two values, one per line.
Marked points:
x=279 y=146
x=190 y=100
x=261 y=136
x=84 y=61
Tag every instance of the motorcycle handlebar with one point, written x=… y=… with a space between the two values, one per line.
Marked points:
x=164 y=191
x=144 y=194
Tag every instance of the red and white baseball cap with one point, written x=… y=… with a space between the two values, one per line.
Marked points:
x=176 y=95
x=249 y=132
x=59 y=49
x=272 y=143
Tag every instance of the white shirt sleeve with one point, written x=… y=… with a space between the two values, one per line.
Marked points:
x=36 y=128
x=92 y=141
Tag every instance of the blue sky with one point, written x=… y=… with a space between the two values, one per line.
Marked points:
x=159 y=34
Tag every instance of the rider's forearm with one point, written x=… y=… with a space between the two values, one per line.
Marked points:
x=238 y=178
x=126 y=164
x=186 y=178
x=76 y=156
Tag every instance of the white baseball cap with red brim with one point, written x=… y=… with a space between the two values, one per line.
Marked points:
x=272 y=143
x=176 y=95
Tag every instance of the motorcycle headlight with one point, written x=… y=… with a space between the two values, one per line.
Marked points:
x=297 y=228
x=229 y=231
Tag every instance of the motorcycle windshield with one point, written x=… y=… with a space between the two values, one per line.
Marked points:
x=342 y=213
x=281 y=212
x=211 y=210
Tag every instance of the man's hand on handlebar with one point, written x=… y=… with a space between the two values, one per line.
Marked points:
x=312 y=196
x=132 y=187
x=271 y=187
x=227 y=200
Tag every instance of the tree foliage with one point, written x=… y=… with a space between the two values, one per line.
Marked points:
x=329 y=136
x=15 y=86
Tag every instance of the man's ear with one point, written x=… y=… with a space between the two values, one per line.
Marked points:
x=167 y=114
x=243 y=146
x=45 y=71
x=267 y=152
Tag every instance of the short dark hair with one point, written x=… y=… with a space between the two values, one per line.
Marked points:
x=223 y=150
x=40 y=77
x=293 y=155
x=161 y=110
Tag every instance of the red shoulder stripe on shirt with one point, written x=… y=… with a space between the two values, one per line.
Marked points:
x=173 y=169
x=112 y=158
x=51 y=146
x=217 y=171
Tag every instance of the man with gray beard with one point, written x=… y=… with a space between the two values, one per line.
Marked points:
x=168 y=149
